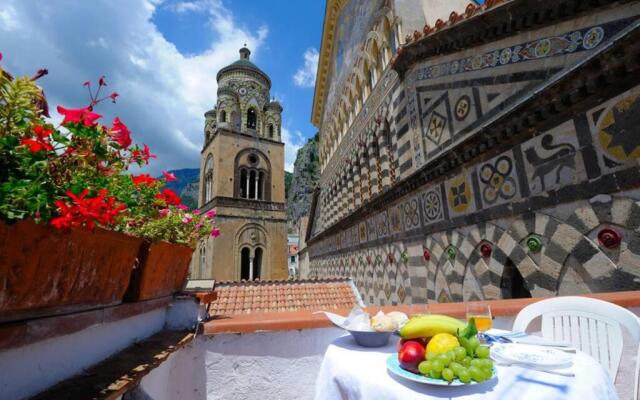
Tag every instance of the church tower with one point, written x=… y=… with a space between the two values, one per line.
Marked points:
x=242 y=178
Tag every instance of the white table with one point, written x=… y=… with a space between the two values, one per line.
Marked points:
x=350 y=372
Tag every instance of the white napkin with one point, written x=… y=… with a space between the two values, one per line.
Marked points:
x=357 y=320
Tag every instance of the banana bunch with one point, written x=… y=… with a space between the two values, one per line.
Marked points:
x=429 y=325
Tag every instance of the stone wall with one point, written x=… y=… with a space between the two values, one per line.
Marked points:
x=507 y=159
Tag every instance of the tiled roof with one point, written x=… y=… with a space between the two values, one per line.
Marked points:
x=247 y=297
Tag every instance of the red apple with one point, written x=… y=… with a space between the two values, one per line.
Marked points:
x=410 y=355
x=421 y=341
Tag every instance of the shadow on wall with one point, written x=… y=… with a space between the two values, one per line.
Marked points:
x=276 y=365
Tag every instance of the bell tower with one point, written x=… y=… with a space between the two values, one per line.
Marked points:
x=242 y=178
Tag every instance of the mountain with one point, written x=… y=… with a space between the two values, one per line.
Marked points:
x=306 y=172
x=288 y=176
x=186 y=186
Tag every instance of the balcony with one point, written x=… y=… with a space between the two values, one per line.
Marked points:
x=150 y=350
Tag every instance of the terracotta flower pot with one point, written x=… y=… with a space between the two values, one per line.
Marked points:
x=46 y=271
x=162 y=271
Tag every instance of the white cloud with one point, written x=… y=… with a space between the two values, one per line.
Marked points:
x=163 y=93
x=305 y=76
x=292 y=143
x=8 y=18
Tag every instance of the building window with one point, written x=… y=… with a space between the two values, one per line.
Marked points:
x=271 y=130
x=208 y=180
x=292 y=259
x=252 y=182
x=223 y=116
x=251 y=118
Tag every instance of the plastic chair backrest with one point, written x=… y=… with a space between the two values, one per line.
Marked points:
x=591 y=325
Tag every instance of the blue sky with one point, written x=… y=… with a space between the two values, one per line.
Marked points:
x=162 y=57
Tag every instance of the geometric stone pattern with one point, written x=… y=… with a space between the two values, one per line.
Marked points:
x=384 y=276
x=543 y=185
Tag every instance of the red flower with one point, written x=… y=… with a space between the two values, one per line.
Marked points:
x=121 y=133
x=86 y=212
x=41 y=132
x=36 y=145
x=145 y=179
x=169 y=197
x=102 y=81
x=169 y=177
x=113 y=96
x=79 y=116
x=142 y=155
x=215 y=232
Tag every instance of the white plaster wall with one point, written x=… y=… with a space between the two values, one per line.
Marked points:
x=27 y=370
x=261 y=366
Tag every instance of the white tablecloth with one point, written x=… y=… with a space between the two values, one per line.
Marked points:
x=349 y=372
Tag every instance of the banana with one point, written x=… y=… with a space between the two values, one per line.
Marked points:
x=430 y=325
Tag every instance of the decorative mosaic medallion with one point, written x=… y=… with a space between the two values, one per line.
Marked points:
x=436 y=127
x=593 y=37
x=432 y=205
x=462 y=108
x=459 y=194
x=618 y=130
x=497 y=180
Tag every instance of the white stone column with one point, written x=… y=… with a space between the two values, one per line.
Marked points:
x=250 y=268
x=247 y=185
x=256 y=184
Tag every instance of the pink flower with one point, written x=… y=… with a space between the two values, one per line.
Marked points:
x=196 y=212
x=113 y=96
x=182 y=207
x=165 y=212
x=211 y=214
x=187 y=218
x=121 y=133
x=169 y=177
x=199 y=225
x=215 y=232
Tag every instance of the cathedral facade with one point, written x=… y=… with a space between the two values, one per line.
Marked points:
x=478 y=151
x=242 y=179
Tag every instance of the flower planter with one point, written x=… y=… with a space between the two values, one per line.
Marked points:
x=45 y=271
x=162 y=271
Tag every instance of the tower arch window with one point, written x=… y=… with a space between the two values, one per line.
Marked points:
x=223 y=116
x=208 y=180
x=251 y=118
x=271 y=131
x=253 y=175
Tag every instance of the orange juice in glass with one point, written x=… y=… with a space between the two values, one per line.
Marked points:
x=481 y=313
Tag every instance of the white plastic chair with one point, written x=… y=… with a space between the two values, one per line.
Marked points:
x=591 y=325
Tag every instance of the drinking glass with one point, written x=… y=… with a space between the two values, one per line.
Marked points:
x=481 y=312
x=417 y=309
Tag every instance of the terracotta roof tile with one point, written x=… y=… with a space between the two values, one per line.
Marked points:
x=248 y=297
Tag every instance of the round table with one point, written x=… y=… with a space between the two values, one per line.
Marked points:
x=349 y=371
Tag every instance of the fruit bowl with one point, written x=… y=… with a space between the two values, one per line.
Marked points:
x=370 y=339
x=393 y=366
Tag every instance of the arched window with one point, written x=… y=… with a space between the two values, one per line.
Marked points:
x=208 y=179
x=390 y=35
x=512 y=284
x=377 y=71
x=271 y=131
x=251 y=118
x=245 y=264
x=368 y=79
x=257 y=263
x=223 y=116
x=244 y=192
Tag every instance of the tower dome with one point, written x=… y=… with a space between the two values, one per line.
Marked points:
x=244 y=65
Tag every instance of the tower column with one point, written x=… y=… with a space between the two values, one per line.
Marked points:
x=247 y=185
x=256 y=185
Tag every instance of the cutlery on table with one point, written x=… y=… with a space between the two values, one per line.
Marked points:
x=533 y=367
